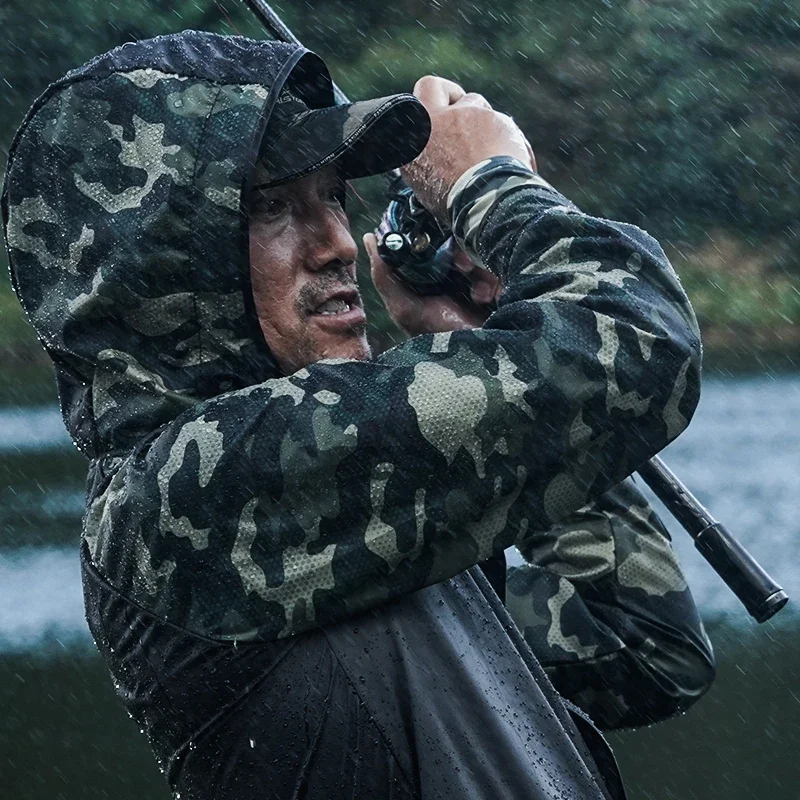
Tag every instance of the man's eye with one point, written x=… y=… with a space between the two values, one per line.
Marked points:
x=336 y=195
x=266 y=206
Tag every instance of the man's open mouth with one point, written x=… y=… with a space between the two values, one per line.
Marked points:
x=341 y=309
x=334 y=306
x=337 y=301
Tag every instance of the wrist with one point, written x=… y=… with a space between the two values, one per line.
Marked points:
x=478 y=191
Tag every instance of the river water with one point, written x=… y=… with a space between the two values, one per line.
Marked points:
x=61 y=729
x=740 y=457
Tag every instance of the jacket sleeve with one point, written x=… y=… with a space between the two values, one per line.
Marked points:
x=269 y=510
x=603 y=603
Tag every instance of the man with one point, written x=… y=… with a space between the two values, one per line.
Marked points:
x=281 y=534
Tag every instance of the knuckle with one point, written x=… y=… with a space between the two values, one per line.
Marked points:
x=477 y=98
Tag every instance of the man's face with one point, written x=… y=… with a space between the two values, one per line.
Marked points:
x=302 y=268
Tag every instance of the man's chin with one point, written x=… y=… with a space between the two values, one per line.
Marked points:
x=353 y=346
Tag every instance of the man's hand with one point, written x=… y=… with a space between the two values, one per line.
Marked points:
x=465 y=130
x=417 y=314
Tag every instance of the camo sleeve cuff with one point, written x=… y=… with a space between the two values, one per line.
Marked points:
x=479 y=191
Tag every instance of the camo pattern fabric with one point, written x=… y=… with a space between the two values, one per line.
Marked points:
x=240 y=504
x=263 y=512
x=603 y=604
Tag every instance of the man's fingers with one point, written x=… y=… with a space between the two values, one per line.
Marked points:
x=436 y=93
x=482 y=292
x=465 y=130
x=461 y=261
x=416 y=314
x=474 y=99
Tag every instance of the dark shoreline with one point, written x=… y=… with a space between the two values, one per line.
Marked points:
x=64 y=735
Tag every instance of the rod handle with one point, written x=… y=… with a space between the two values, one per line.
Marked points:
x=760 y=595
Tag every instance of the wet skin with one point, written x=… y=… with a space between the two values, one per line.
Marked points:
x=303 y=272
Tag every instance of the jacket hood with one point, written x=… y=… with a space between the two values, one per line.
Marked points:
x=126 y=236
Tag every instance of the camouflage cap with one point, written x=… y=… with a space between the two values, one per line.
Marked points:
x=364 y=138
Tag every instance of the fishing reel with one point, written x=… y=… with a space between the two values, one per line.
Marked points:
x=416 y=248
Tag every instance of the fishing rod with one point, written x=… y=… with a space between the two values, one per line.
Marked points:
x=280 y=30
x=747 y=579
x=406 y=221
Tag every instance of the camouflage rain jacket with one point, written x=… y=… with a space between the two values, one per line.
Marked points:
x=279 y=570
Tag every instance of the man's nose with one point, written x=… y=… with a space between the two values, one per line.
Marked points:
x=329 y=239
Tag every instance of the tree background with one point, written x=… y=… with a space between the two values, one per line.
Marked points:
x=680 y=116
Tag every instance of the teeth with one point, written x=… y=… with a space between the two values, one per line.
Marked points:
x=333 y=307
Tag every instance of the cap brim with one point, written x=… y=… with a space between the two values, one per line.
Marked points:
x=364 y=138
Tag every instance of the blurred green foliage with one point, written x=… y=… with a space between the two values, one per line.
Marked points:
x=681 y=116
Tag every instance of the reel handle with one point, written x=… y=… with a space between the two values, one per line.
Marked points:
x=745 y=577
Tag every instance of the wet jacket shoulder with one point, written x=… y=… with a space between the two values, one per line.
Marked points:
x=295 y=502
x=603 y=603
